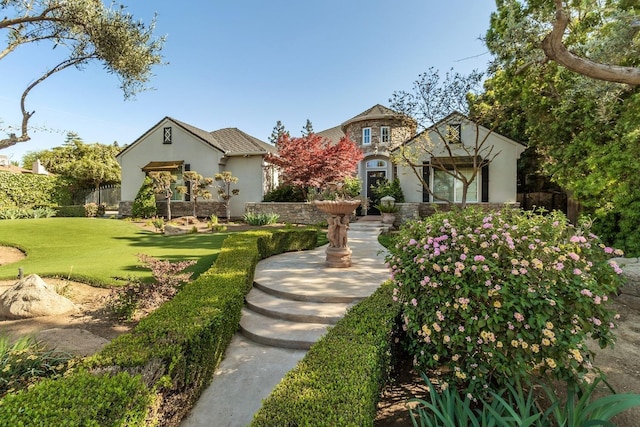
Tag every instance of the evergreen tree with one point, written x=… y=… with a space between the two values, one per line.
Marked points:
x=307 y=129
x=278 y=130
x=144 y=205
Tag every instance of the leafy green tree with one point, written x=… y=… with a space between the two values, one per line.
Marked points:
x=584 y=131
x=162 y=183
x=87 y=165
x=88 y=31
x=225 y=192
x=198 y=187
x=144 y=205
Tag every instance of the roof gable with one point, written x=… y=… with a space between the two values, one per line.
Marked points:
x=374 y=113
x=230 y=141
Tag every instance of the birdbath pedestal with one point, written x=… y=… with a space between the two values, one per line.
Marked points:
x=339 y=211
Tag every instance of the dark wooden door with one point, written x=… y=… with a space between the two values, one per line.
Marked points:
x=373 y=178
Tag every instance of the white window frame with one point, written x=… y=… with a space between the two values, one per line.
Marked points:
x=385 y=134
x=457 y=186
x=366 y=136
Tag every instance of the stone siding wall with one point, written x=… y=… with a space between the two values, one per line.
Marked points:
x=204 y=209
x=291 y=213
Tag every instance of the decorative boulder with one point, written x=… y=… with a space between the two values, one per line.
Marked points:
x=170 y=230
x=32 y=297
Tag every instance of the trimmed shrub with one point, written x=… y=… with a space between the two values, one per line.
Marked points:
x=285 y=193
x=81 y=399
x=495 y=296
x=25 y=190
x=339 y=380
x=144 y=205
x=71 y=211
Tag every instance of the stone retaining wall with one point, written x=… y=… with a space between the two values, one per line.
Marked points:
x=630 y=291
x=291 y=213
x=204 y=209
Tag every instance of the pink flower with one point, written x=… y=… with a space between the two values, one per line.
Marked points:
x=519 y=317
x=479 y=258
x=608 y=250
x=577 y=271
x=559 y=266
x=574 y=256
x=586 y=292
x=463 y=257
x=412 y=242
x=414 y=302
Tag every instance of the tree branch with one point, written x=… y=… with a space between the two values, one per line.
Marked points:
x=555 y=50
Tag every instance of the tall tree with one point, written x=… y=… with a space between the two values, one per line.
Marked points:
x=585 y=131
x=162 y=183
x=313 y=161
x=431 y=100
x=278 y=130
x=88 y=165
x=307 y=128
x=89 y=31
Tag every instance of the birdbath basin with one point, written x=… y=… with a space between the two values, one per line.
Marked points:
x=338 y=211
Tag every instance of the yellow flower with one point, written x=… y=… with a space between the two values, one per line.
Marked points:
x=497 y=304
x=546 y=342
x=524 y=345
x=550 y=362
x=577 y=355
x=549 y=325
x=461 y=375
x=499 y=344
x=436 y=357
x=535 y=348
x=514 y=343
x=6 y=368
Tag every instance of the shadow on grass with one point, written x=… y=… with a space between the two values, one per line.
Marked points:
x=183 y=244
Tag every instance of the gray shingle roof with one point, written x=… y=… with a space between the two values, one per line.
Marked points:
x=334 y=134
x=376 y=112
x=235 y=142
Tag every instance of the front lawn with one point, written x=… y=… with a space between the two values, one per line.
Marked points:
x=98 y=251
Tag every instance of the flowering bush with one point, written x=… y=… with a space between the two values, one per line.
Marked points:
x=497 y=296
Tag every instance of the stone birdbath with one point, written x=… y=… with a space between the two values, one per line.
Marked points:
x=339 y=211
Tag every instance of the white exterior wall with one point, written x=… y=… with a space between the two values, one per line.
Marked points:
x=249 y=172
x=202 y=157
x=502 y=170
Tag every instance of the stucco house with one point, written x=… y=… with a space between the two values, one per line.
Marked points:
x=175 y=146
x=381 y=131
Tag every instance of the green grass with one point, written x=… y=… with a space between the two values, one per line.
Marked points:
x=101 y=252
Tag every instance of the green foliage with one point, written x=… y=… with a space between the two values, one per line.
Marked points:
x=81 y=399
x=285 y=193
x=22 y=213
x=388 y=188
x=585 y=130
x=339 y=380
x=144 y=205
x=179 y=346
x=76 y=211
x=162 y=182
x=27 y=190
x=260 y=219
x=225 y=192
x=215 y=225
x=26 y=361
x=512 y=406
x=496 y=295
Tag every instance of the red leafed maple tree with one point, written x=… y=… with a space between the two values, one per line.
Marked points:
x=313 y=161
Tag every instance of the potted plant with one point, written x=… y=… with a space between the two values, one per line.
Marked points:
x=388 y=209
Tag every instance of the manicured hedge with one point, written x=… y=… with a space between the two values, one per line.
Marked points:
x=178 y=347
x=339 y=380
x=27 y=190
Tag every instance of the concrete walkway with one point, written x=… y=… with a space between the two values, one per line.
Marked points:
x=293 y=283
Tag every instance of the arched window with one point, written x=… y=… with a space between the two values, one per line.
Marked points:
x=375 y=164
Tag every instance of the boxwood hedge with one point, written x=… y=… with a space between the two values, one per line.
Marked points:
x=174 y=351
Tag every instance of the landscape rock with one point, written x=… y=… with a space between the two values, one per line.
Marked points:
x=171 y=230
x=631 y=274
x=32 y=297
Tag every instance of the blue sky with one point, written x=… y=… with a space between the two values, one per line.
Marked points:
x=250 y=63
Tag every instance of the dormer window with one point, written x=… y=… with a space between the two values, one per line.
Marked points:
x=166 y=135
x=385 y=134
x=454 y=133
x=366 y=136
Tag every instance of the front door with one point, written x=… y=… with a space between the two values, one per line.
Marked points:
x=373 y=178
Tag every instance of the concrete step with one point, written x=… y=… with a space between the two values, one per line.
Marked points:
x=368 y=225
x=280 y=333
x=309 y=294
x=297 y=311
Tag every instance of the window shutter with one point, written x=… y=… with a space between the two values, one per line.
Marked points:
x=426 y=172
x=485 y=184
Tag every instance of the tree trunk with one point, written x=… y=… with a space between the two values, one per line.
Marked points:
x=168 y=208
